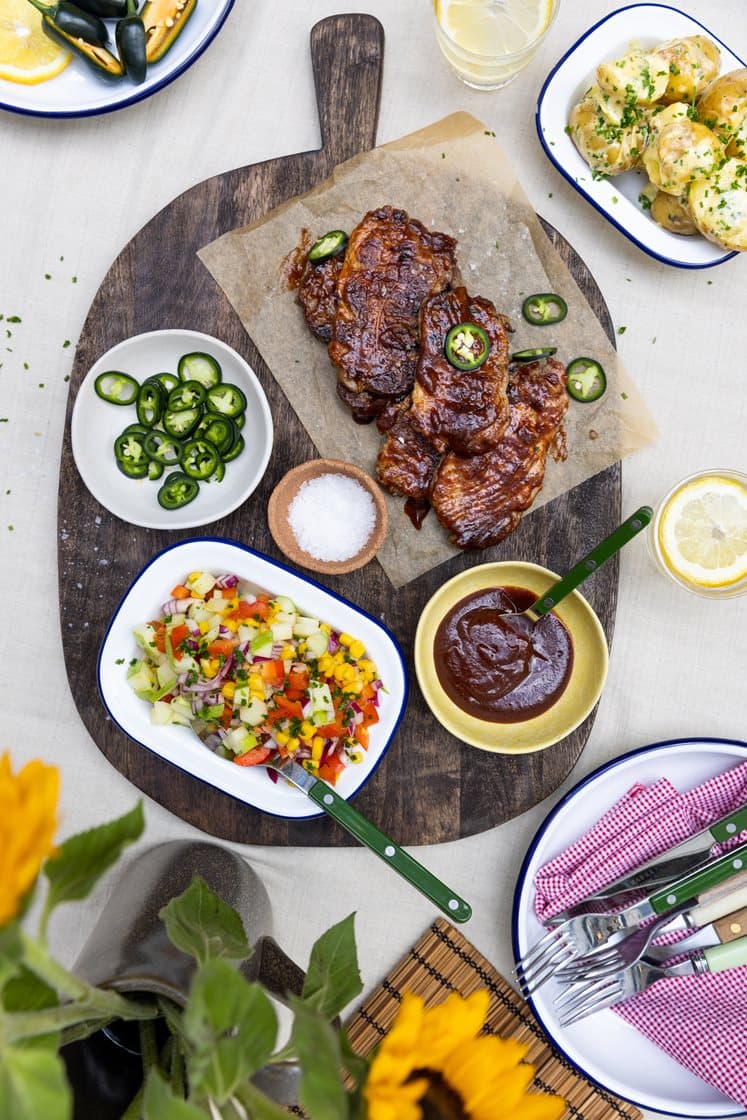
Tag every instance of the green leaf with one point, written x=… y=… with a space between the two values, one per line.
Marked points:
x=26 y=992
x=317 y=1045
x=258 y=1105
x=203 y=925
x=231 y=1027
x=33 y=1084
x=332 y=978
x=83 y=859
x=159 y=1103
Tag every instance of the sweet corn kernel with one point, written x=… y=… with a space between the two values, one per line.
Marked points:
x=255 y=681
x=366 y=666
x=316 y=752
x=204 y=627
x=307 y=729
x=293 y=743
x=357 y=648
x=282 y=738
x=288 y=653
x=289 y=749
x=211 y=666
x=193 y=577
x=317 y=743
x=325 y=627
x=345 y=639
x=310 y=764
x=228 y=690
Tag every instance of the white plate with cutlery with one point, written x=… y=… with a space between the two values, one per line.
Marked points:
x=603 y=1046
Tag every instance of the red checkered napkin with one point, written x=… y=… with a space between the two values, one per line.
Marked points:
x=697 y=1020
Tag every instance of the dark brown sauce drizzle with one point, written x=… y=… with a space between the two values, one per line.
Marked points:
x=498 y=667
x=417 y=510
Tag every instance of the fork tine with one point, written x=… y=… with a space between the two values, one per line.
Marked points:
x=590 y=1008
x=571 y=997
x=588 y=1000
x=537 y=951
x=533 y=978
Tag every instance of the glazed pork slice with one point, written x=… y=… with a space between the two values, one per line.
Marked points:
x=392 y=263
x=317 y=294
x=465 y=411
x=407 y=461
x=480 y=500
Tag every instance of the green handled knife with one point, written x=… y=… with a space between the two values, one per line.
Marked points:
x=369 y=835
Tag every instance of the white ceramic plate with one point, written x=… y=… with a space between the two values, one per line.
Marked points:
x=96 y=424
x=617 y=198
x=79 y=92
x=603 y=1046
x=179 y=745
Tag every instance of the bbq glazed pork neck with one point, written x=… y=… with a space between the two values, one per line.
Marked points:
x=480 y=499
x=392 y=264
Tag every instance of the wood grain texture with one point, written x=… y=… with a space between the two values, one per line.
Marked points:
x=431 y=787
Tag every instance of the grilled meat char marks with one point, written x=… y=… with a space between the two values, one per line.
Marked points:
x=392 y=263
x=480 y=499
x=406 y=461
x=465 y=411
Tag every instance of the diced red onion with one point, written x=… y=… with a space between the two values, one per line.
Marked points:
x=334 y=642
x=178 y=606
x=307 y=709
x=227 y=580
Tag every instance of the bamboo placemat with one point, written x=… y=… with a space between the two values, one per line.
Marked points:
x=444 y=961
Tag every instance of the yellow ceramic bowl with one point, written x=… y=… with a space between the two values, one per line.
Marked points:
x=590 y=660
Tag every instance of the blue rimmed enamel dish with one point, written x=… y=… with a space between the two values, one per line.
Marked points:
x=180 y=745
x=616 y=199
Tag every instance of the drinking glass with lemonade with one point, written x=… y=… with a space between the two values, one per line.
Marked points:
x=487 y=42
x=698 y=536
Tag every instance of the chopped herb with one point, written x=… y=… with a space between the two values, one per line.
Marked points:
x=66 y=377
x=25 y=365
x=41 y=384
x=65 y=344
x=119 y=661
x=644 y=201
x=75 y=279
x=489 y=132
x=621 y=330
x=47 y=275
x=10 y=528
x=624 y=396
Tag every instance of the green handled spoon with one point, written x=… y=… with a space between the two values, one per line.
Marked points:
x=584 y=568
x=366 y=831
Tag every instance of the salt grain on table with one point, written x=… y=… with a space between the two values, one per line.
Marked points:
x=332 y=517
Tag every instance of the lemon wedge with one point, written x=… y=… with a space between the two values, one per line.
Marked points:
x=702 y=532
x=494 y=27
x=26 y=54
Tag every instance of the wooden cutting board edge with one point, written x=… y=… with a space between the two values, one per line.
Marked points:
x=474 y=792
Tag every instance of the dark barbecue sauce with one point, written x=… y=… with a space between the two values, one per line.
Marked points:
x=497 y=667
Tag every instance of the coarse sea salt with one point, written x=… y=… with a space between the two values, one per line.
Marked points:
x=332 y=516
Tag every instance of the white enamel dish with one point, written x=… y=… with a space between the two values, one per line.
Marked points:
x=79 y=92
x=96 y=424
x=604 y=1047
x=179 y=745
x=617 y=198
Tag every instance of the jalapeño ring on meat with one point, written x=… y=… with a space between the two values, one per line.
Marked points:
x=467 y=346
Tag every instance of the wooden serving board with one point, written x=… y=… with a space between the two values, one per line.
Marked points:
x=431 y=788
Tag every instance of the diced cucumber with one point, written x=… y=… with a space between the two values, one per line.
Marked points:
x=179 y=710
x=242 y=696
x=141 y=679
x=204 y=583
x=145 y=636
x=304 y=627
x=254 y=712
x=285 y=604
x=185 y=663
x=166 y=676
x=281 y=631
x=316 y=643
x=239 y=740
x=261 y=641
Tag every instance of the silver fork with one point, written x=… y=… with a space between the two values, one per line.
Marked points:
x=613 y=958
x=576 y=1003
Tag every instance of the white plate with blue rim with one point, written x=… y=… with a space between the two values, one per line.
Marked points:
x=603 y=1046
x=79 y=92
x=617 y=198
x=180 y=745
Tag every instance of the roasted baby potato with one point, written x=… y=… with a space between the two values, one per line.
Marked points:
x=680 y=152
x=639 y=77
x=672 y=213
x=691 y=64
x=608 y=146
x=718 y=205
x=723 y=108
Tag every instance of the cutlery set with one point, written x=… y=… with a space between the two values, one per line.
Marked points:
x=600 y=949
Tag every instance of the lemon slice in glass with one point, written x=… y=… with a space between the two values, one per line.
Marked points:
x=702 y=531
x=26 y=54
x=494 y=27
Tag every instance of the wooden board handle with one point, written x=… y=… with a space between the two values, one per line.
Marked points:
x=347 y=54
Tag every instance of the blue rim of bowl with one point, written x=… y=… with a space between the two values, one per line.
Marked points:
x=522 y=877
x=68 y=114
x=570 y=179
x=306 y=579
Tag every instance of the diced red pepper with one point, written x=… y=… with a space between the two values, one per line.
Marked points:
x=253 y=757
x=272 y=672
x=222 y=647
x=331 y=731
x=330 y=769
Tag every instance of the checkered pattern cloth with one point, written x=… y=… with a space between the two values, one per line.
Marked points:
x=697 y=1020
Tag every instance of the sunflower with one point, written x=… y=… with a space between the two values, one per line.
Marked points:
x=435 y=1065
x=28 y=819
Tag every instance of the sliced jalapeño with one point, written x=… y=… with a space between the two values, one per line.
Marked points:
x=177 y=490
x=328 y=245
x=535 y=354
x=586 y=380
x=544 y=308
x=467 y=346
x=116 y=387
